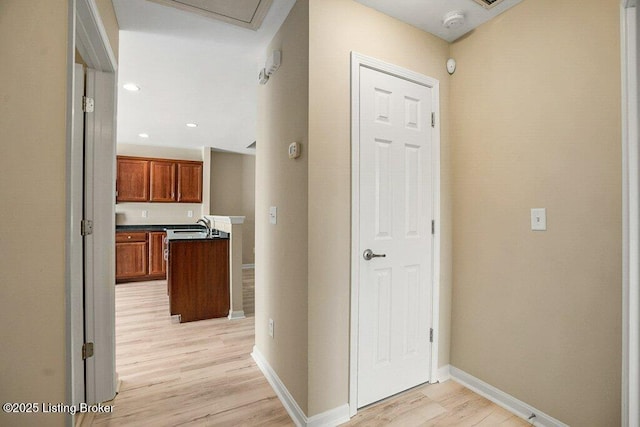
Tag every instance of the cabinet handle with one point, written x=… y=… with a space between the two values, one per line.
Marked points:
x=128 y=237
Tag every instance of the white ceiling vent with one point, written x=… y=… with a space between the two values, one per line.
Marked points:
x=488 y=4
x=244 y=13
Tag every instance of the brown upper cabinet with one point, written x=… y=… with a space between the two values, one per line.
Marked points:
x=143 y=179
x=163 y=181
x=190 y=182
x=132 y=184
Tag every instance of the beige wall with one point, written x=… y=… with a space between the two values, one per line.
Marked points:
x=281 y=250
x=536 y=123
x=160 y=213
x=338 y=27
x=233 y=193
x=249 y=209
x=33 y=38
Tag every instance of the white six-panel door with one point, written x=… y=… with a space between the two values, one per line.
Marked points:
x=396 y=210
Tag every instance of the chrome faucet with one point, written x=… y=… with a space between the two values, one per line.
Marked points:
x=207 y=223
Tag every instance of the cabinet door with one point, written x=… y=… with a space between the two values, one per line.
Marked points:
x=131 y=260
x=157 y=263
x=190 y=182
x=132 y=180
x=163 y=181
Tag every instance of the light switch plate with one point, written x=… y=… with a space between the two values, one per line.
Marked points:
x=273 y=215
x=539 y=219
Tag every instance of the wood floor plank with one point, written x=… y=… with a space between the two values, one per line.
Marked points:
x=202 y=374
x=444 y=404
x=189 y=374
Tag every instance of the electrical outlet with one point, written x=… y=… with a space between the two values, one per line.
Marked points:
x=271 y=328
x=273 y=215
x=190 y=213
x=145 y=214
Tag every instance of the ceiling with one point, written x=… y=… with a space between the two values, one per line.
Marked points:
x=190 y=69
x=428 y=14
x=193 y=66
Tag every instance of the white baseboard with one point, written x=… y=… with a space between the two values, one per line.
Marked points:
x=236 y=315
x=332 y=417
x=443 y=374
x=248 y=266
x=503 y=399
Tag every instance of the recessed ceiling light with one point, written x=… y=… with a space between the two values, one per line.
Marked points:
x=143 y=135
x=131 y=87
x=192 y=125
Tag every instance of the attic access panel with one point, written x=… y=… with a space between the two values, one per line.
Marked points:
x=244 y=13
x=488 y=4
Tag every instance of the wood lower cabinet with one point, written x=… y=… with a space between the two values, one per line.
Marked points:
x=132 y=254
x=140 y=256
x=157 y=263
x=198 y=279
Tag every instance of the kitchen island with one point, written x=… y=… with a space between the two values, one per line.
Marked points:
x=198 y=275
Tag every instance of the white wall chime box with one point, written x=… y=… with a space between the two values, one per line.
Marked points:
x=294 y=150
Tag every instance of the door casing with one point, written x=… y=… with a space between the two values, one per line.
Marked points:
x=630 y=66
x=357 y=61
x=87 y=34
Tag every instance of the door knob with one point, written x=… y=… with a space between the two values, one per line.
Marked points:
x=368 y=255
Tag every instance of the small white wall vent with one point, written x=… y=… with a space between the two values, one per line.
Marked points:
x=488 y=4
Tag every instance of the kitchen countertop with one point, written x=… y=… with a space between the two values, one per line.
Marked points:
x=164 y=227
x=201 y=235
x=158 y=227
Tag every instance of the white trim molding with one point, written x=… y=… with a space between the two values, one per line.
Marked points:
x=630 y=215
x=332 y=417
x=236 y=315
x=87 y=34
x=444 y=374
x=91 y=37
x=358 y=60
x=508 y=402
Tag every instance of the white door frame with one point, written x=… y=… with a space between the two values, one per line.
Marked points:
x=630 y=68
x=86 y=32
x=357 y=61
x=74 y=253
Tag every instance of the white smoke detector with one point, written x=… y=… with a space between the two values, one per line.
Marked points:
x=453 y=19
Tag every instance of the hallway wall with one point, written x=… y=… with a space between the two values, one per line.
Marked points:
x=536 y=123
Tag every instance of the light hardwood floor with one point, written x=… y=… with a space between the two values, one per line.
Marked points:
x=202 y=374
